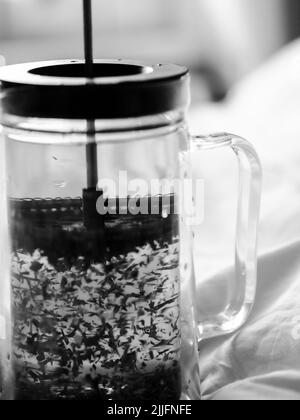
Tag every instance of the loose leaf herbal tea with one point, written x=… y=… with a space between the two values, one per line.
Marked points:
x=96 y=314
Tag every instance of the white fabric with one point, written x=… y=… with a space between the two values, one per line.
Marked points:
x=262 y=360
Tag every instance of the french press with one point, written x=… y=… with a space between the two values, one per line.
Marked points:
x=98 y=293
x=97 y=287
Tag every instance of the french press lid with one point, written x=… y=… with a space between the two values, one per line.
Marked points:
x=119 y=89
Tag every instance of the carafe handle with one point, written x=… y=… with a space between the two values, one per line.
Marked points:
x=245 y=279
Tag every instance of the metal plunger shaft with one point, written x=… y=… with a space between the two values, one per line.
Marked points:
x=91 y=148
x=88 y=38
x=92 y=221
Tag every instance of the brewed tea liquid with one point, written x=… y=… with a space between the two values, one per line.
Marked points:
x=96 y=314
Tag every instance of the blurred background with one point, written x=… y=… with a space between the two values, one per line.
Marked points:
x=220 y=40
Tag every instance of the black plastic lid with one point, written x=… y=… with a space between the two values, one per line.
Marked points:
x=120 y=89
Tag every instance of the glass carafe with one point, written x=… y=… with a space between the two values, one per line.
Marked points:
x=97 y=287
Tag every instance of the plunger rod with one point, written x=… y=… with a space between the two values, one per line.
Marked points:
x=88 y=37
x=91 y=157
x=91 y=148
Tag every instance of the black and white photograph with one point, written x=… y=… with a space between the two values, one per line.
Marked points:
x=149 y=203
